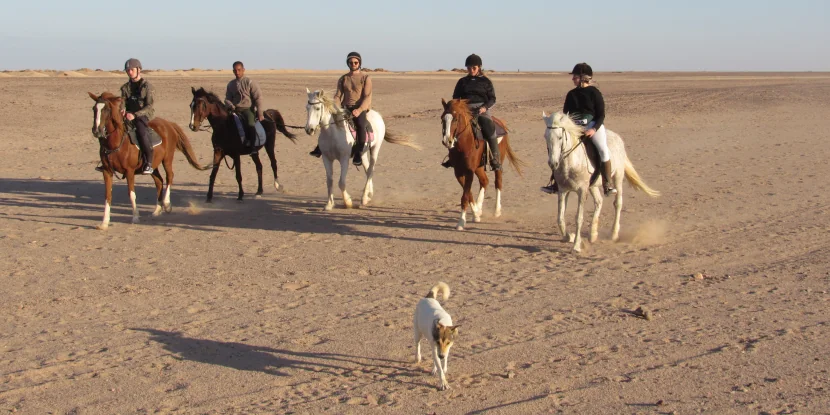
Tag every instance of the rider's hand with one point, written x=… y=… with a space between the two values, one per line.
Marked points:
x=356 y=112
x=123 y=113
x=482 y=110
x=261 y=118
x=130 y=116
x=590 y=133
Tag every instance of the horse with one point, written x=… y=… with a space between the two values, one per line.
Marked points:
x=108 y=127
x=226 y=140
x=466 y=154
x=336 y=142
x=572 y=170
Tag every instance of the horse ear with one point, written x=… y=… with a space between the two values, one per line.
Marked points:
x=307 y=91
x=443 y=103
x=91 y=95
x=544 y=115
x=192 y=89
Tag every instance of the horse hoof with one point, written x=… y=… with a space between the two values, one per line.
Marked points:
x=102 y=227
x=365 y=202
x=258 y=196
x=277 y=187
x=239 y=200
x=168 y=208
x=136 y=220
x=498 y=213
x=348 y=205
x=476 y=219
x=459 y=228
x=571 y=237
x=209 y=201
x=328 y=208
x=158 y=211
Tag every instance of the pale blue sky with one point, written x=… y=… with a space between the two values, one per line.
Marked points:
x=727 y=35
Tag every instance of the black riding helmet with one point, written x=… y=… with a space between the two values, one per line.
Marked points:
x=354 y=55
x=582 y=69
x=132 y=63
x=473 y=60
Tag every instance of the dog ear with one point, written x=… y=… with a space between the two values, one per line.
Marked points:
x=455 y=329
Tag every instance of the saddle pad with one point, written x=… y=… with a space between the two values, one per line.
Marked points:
x=260 y=131
x=155 y=138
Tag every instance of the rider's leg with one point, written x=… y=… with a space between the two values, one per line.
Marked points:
x=601 y=143
x=360 y=141
x=488 y=131
x=316 y=152
x=143 y=134
x=552 y=187
x=250 y=126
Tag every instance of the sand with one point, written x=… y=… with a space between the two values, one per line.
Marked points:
x=274 y=306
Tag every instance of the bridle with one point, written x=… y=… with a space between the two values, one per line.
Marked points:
x=565 y=133
x=199 y=127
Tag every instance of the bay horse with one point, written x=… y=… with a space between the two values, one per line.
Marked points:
x=465 y=156
x=119 y=155
x=572 y=170
x=226 y=140
x=336 y=143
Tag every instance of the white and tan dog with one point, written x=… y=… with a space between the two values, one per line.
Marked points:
x=434 y=324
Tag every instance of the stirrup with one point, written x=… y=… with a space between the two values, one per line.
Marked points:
x=552 y=188
x=610 y=191
x=99 y=168
x=147 y=169
x=316 y=153
x=357 y=160
x=446 y=163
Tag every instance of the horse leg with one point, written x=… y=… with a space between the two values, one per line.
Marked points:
x=131 y=186
x=478 y=207
x=271 y=155
x=107 y=200
x=159 y=191
x=498 y=192
x=596 y=194
x=369 y=189
x=328 y=163
x=466 y=182
x=580 y=210
x=344 y=168
x=563 y=205
x=615 y=231
x=238 y=168
x=168 y=172
x=258 y=164
x=217 y=160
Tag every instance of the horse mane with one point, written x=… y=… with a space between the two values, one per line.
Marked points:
x=459 y=107
x=210 y=96
x=567 y=123
x=328 y=103
x=108 y=95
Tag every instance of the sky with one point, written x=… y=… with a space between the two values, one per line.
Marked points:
x=632 y=35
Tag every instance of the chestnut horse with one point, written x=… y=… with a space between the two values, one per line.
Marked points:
x=466 y=157
x=119 y=155
x=226 y=140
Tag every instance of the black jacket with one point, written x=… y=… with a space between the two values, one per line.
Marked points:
x=476 y=89
x=588 y=100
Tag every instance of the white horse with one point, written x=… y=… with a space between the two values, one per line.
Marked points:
x=336 y=142
x=568 y=158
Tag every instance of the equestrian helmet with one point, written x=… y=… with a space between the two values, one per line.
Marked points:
x=132 y=63
x=354 y=55
x=582 y=69
x=472 y=60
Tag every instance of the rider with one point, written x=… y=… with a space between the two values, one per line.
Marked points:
x=354 y=92
x=137 y=96
x=477 y=89
x=243 y=96
x=585 y=105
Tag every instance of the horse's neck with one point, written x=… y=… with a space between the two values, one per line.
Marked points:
x=330 y=126
x=118 y=132
x=573 y=157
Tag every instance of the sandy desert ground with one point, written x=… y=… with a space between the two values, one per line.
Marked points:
x=274 y=306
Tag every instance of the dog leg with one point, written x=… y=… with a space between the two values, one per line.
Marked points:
x=444 y=385
x=417 y=345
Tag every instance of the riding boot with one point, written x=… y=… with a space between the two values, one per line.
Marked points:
x=495 y=159
x=316 y=152
x=250 y=138
x=607 y=185
x=552 y=187
x=360 y=142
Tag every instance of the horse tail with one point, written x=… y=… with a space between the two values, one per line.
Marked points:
x=635 y=180
x=276 y=117
x=515 y=161
x=402 y=139
x=441 y=287
x=183 y=144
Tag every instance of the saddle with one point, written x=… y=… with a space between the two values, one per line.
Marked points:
x=370 y=133
x=240 y=128
x=501 y=131
x=593 y=158
x=155 y=138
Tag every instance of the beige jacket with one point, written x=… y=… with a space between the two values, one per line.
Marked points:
x=354 y=91
x=244 y=93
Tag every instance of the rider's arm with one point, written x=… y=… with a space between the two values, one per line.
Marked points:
x=256 y=99
x=338 y=94
x=459 y=89
x=366 y=99
x=491 y=94
x=147 y=109
x=122 y=105
x=570 y=104
x=229 y=94
x=599 y=109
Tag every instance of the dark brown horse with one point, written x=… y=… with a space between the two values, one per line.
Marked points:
x=119 y=155
x=466 y=157
x=226 y=141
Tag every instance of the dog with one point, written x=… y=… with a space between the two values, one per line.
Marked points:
x=431 y=322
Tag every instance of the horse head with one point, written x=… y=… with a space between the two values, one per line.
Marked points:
x=455 y=118
x=561 y=134
x=320 y=110
x=104 y=120
x=203 y=105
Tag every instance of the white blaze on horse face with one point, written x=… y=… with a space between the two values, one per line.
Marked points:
x=192 y=107
x=98 y=108
x=447 y=140
x=314 y=110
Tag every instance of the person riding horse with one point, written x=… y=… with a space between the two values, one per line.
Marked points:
x=587 y=107
x=243 y=96
x=477 y=89
x=354 y=93
x=137 y=96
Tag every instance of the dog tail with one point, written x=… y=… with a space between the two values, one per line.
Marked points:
x=442 y=287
